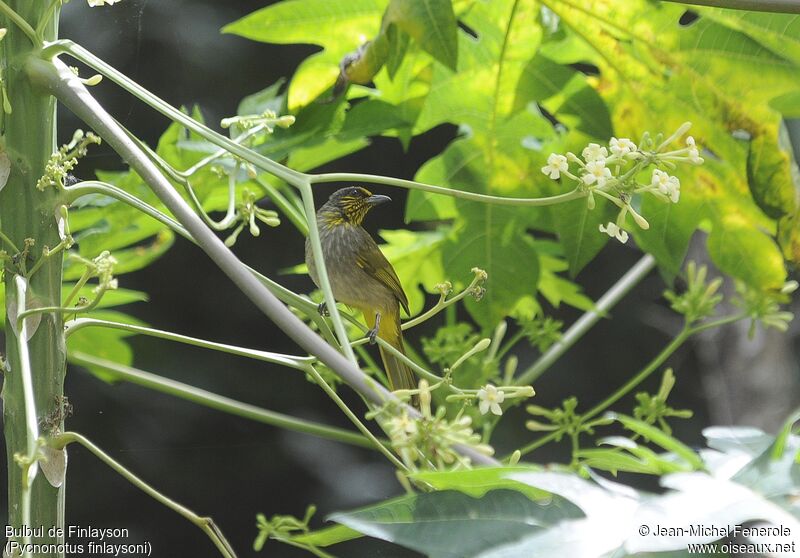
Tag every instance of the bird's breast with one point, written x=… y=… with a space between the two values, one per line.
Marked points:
x=351 y=285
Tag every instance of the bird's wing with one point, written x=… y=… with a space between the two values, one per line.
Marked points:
x=376 y=265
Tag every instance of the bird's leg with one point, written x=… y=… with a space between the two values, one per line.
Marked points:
x=322 y=308
x=372 y=334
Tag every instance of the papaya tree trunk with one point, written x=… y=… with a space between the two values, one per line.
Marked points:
x=29 y=213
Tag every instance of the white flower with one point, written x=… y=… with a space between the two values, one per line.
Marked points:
x=402 y=425
x=597 y=172
x=668 y=185
x=694 y=153
x=594 y=152
x=97 y=3
x=556 y=164
x=622 y=146
x=612 y=230
x=489 y=399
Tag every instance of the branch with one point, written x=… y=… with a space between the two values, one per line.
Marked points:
x=622 y=287
x=471 y=196
x=73 y=193
x=28 y=462
x=290 y=361
x=322 y=273
x=205 y=523
x=219 y=402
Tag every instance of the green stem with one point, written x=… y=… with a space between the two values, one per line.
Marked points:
x=84 y=278
x=219 y=402
x=616 y=293
x=442 y=304
x=536 y=444
x=222 y=152
x=7 y=240
x=30 y=467
x=781 y=6
x=295 y=362
x=288 y=209
x=718 y=322
x=354 y=419
x=61 y=310
x=206 y=524
x=78 y=52
x=46 y=19
x=665 y=353
x=20 y=22
x=322 y=272
x=471 y=196
x=57 y=249
x=73 y=193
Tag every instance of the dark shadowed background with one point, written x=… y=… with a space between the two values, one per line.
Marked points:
x=232 y=469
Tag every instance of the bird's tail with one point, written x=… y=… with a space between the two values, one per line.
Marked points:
x=400 y=374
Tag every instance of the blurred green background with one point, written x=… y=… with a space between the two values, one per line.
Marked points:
x=232 y=469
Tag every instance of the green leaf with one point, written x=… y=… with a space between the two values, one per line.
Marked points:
x=431 y=23
x=269 y=98
x=492 y=238
x=747 y=253
x=477 y=482
x=372 y=118
x=572 y=100
x=771 y=172
x=671 y=229
x=719 y=73
x=775 y=472
x=578 y=230
x=338 y=27
x=451 y=524
x=628 y=456
x=662 y=439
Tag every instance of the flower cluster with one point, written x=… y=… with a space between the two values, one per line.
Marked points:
x=615 y=173
x=653 y=409
x=104 y=268
x=247 y=213
x=701 y=297
x=65 y=159
x=430 y=439
x=266 y=120
x=564 y=420
x=764 y=305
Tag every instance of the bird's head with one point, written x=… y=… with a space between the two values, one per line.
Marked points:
x=350 y=205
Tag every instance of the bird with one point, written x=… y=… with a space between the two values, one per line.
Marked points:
x=360 y=275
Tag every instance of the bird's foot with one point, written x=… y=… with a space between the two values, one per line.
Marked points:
x=372 y=335
x=322 y=308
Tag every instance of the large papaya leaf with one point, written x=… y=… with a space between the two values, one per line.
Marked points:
x=450 y=524
x=338 y=27
x=721 y=74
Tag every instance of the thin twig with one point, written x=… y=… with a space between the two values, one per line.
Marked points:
x=205 y=523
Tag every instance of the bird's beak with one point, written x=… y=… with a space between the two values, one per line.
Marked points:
x=377 y=200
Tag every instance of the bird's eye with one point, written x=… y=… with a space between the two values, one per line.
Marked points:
x=354 y=192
